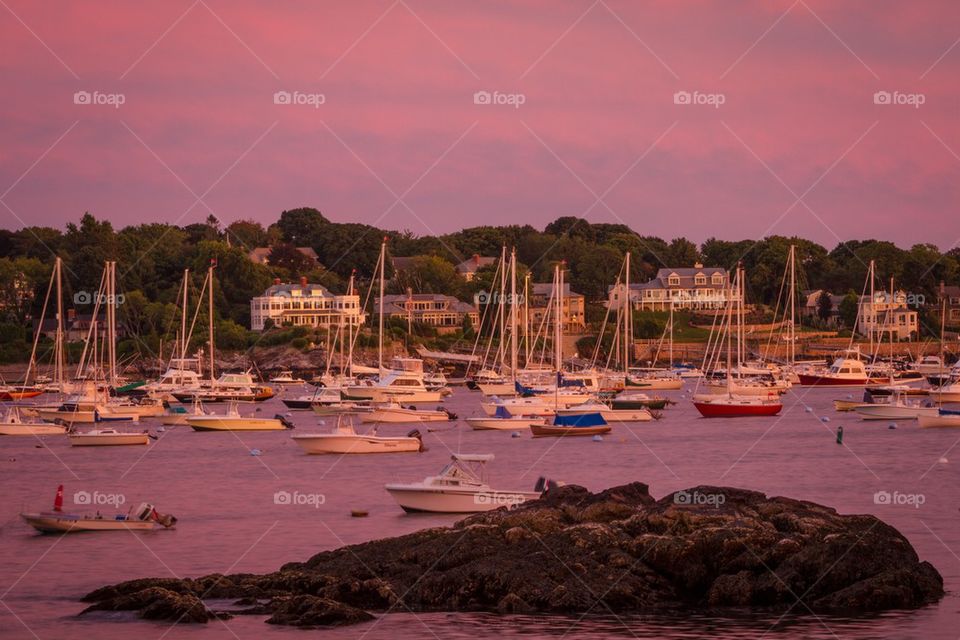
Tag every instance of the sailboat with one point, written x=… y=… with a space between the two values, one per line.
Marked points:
x=730 y=404
x=12 y=424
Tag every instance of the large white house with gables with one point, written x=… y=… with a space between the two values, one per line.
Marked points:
x=696 y=288
x=304 y=304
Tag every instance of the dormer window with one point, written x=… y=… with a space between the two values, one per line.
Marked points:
x=673 y=280
x=717 y=278
x=700 y=279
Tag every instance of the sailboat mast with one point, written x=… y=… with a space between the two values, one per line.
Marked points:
x=58 y=347
x=112 y=321
x=383 y=254
x=513 y=315
x=350 y=330
x=627 y=312
x=183 y=319
x=526 y=320
x=792 y=349
x=873 y=304
x=213 y=262
x=559 y=348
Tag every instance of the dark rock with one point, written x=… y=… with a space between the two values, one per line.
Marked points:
x=619 y=550
x=157 y=603
x=311 y=611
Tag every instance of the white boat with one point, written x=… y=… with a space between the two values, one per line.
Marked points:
x=403 y=383
x=107 y=438
x=949 y=392
x=460 y=487
x=503 y=421
x=143 y=518
x=233 y=421
x=286 y=377
x=394 y=412
x=179 y=415
x=12 y=424
x=943 y=418
x=653 y=379
x=929 y=365
x=336 y=407
x=641 y=414
x=900 y=407
x=345 y=439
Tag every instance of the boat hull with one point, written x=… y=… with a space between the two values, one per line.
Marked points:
x=231 y=423
x=893 y=412
x=731 y=408
x=548 y=430
x=54 y=523
x=383 y=394
x=108 y=440
x=656 y=384
x=26 y=429
x=404 y=416
x=938 y=421
x=812 y=380
x=502 y=424
x=334 y=443
x=415 y=499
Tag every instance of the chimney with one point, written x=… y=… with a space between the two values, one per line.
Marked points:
x=303 y=281
x=698 y=265
x=476 y=259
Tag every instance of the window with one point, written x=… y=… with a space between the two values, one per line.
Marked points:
x=700 y=279
x=673 y=280
x=717 y=278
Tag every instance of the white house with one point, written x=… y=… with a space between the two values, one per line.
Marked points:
x=885 y=315
x=696 y=288
x=304 y=304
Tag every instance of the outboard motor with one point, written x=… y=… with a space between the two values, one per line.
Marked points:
x=286 y=423
x=541 y=484
x=451 y=415
x=415 y=433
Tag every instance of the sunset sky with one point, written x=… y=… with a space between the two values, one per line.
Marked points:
x=798 y=145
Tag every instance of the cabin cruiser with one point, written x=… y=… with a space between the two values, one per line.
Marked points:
x=899 y=407
x=844 y=372
x=460 y=487
x=182 y=374
x=286 y=377
x=404 y=382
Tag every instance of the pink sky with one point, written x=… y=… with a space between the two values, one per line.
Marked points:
x=398 y=119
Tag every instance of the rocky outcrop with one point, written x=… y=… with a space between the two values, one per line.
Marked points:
x=619 y=550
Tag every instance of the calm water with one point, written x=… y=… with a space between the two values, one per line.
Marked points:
x=229 y=521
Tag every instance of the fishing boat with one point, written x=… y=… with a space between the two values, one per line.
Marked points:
x=943 y=418
x=345 y=439
x=286 y=377
x=144 y=518
x=306 y=401
x=610 y=415
x=107 y=438
x=394 y=412
x=233 y=421
x=460 y=487
x=502 y=420
x=581 y=424
x=12 y=424
x=844 y=372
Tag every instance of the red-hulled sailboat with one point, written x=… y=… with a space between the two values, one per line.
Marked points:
x=729 y=404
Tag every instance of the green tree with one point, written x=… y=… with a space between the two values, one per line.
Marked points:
x=849 y=308
x=824 y=306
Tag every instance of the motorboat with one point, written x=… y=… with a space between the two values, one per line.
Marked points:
x=336 y=407
x=581 y=424
x=12 y=424
x=949 y=392
x=728 y=405
x=177 y=416
x=394 y=412
x=929 y=366
x=403 y=383
x=460 y=487
x=502 y=420
x=286 y=377
x=943 y=418
x=653 y=379
x=844 y=372
x=228 y=387
x=900 y=407
x=345 y=439
x=144 y=518
x=107 y=438
x=233 y=421
x=609 y=414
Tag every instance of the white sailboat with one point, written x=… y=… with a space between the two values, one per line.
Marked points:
x=107 y=438
x=13 y=424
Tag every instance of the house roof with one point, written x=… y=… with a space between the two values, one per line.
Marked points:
x=472 y=264
x=394 y=303
x=687 y=275
x=305 y=290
